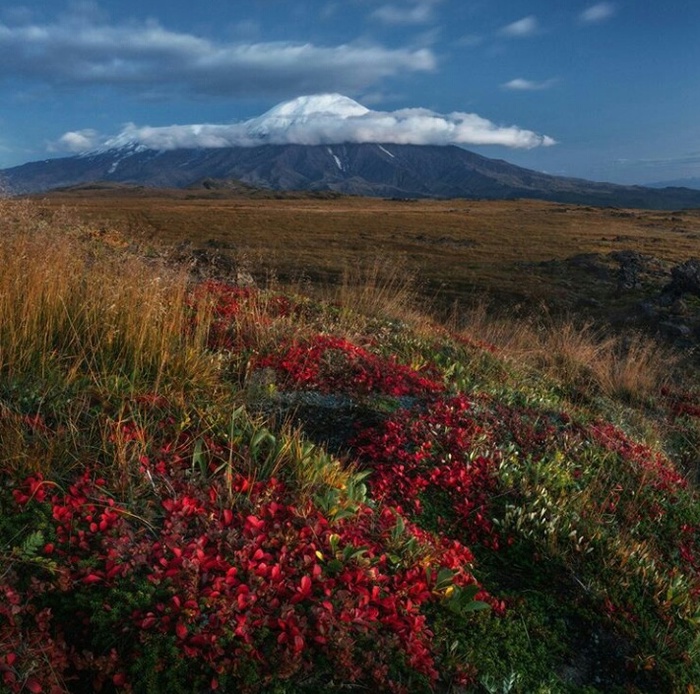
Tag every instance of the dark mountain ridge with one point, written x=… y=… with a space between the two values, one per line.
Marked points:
x=376 y=170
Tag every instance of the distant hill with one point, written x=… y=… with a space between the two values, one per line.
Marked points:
x=693 y=183
x=378 y=170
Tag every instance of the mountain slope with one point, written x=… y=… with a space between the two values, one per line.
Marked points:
x=386 y=170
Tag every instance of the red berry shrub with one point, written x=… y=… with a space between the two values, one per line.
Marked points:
x=226 y=594
x=428 y=452
x=681 y=404
x=653 y=468
x=334 y=365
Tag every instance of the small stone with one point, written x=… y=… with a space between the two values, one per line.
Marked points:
x=675 y=330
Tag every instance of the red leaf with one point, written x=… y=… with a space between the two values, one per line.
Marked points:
x=255 y=523
x=149 y=621
x=33 y=685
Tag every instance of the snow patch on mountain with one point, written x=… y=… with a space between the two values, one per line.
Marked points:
x=119 y=147
x=336 y=158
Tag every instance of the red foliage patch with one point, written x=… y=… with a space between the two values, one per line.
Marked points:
x=682 y=404
x=430 y=451
x=228 y=303
x=264 y=585
x=332 y=364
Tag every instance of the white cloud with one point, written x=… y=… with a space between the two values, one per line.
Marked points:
x=145 y=57
x=469 y=41
x=76 y=141
x=597 y=13
x=520 y=84
x=333 y=119
x=527 y=26
x=417 y=12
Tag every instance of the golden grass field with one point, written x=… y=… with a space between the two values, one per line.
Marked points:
x=455 y=249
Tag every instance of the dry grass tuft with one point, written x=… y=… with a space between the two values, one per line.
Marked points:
x=631 y=367
x=378 y=287
x=67 y=300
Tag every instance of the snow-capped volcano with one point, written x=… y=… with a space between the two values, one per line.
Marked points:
x=298 y=121
x=374 y=169
x=121 y=146
x=301 y=109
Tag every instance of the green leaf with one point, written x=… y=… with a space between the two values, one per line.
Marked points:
x=444 y=579
x=32 y=544
x=351 y=553
x=198 y=460
x=469 y=592
x=334 y=566
x=461 y=601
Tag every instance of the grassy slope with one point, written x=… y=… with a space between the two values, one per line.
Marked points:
x=217 y=487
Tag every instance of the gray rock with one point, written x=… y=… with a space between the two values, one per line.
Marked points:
x=632 y=264
x=685 y=278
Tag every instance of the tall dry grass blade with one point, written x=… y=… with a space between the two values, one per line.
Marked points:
x=68 y=300
x=383 y=287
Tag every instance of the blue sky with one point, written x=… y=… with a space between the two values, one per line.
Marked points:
x=615 y=83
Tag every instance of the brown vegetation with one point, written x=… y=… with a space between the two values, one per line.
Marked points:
x=457 y=249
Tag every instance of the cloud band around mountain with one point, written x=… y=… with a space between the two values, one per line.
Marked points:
x=351 y=124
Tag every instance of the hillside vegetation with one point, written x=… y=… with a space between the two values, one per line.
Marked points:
x=212 y=487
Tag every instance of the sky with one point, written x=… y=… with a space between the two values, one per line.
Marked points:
x=605 y=90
